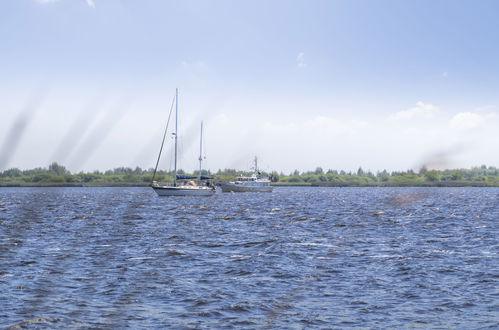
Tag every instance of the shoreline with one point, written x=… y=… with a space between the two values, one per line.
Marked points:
x=276 y=184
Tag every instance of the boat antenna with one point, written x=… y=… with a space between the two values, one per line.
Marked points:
x=162 y=142
x=200 y=151
x=176 y=138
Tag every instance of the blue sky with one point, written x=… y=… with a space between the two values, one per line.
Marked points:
x=301 y=84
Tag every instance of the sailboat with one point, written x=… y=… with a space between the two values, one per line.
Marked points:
x=183 y=185
x=253 y=183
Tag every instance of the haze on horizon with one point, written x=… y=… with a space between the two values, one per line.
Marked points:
x=301 y=84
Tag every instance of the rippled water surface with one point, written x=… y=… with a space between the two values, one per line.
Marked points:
x=294 y=258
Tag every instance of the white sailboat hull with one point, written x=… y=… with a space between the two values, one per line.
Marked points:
x=234 y=187
x=184 y=191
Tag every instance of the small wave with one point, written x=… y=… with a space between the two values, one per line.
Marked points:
x=238 y=272
x=386 y=256
x=209 y=314
x=313 y=244
x=175 y=253
x=239 y=308
x=302 y=219
x=27 y=262
x=254 y=243
x=213 y=245
x=443 y=251
x=35 y=322
x=239 y=256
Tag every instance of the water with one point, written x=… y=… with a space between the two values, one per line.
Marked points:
x=294 y=258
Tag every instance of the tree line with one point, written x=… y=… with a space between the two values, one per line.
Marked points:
x=481 y=173
x=56 y=174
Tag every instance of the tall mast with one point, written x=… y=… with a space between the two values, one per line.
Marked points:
x=176 y=137
x=256 y=165
x=200 y=150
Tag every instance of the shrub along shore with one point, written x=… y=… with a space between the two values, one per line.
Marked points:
x=57 y=175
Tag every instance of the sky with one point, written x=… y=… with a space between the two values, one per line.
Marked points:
x=383 y=84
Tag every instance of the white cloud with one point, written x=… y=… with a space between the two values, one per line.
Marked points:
x=91 y=3
x=300 y=60
x=421 y=110
x=469 y=120
x=445 y=74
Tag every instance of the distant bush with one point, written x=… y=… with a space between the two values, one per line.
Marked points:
x=12 y=173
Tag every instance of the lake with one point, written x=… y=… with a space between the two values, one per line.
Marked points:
x=299 y=257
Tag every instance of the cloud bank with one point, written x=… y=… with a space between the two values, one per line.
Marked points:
x=421 y=110
x=470 y=120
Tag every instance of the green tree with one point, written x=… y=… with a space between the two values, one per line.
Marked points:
x=383 y=176
x=456 y=175
x=57 y=169
x=432 y=175
x=12 y=173
x=360 y=171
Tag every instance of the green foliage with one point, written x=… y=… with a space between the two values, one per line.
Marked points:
x=12 y=173
x=432 y=175
x=360 y=171
x=57 y=169
x=57 y=174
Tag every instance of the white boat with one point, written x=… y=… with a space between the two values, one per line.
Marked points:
x=253 y=183
x=183 y=185
x=184 y=190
